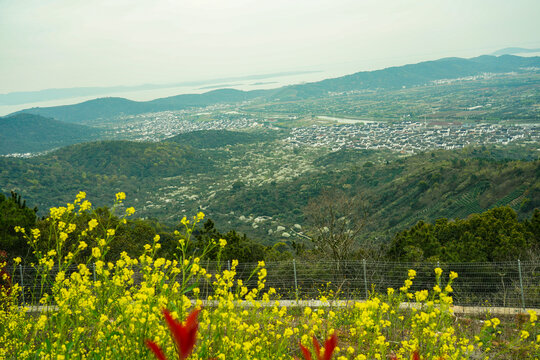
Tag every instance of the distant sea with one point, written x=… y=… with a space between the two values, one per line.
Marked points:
x=270 y=82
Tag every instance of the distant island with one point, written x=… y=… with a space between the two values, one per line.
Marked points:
x=514 y=50
x=23 y=97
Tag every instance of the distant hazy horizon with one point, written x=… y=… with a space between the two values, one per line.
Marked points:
x=50 y=44
x=145 y=95
x=263 y=81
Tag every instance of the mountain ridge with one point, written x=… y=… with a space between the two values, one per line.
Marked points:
x=411 y=75
x=388 y=78
x=114 y=106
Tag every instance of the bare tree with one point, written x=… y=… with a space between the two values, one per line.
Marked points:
x=336 y=221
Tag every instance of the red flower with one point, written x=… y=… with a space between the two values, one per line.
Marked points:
x=329 y=347
x=156 y=350
x=415 y=356
x=184 y=335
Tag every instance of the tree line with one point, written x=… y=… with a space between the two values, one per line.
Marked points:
x=334 y=232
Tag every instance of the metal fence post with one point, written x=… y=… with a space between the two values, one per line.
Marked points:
x=521 y=285
x=22 y=282
x=295 y=280
x=229 y=268
x=365 y=278
x=206 y=280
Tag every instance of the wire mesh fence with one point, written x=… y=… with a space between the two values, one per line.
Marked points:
x=512 y=284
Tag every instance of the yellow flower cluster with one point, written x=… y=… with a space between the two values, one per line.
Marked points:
x=106 y=309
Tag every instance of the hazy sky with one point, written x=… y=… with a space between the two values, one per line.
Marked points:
x=73 y=43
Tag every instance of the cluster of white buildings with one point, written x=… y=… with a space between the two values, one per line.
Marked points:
x=411 y=137
x=165 y=124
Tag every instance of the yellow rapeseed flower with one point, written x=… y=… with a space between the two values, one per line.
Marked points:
x=63 y=236
x=533 y=316
x=80 y=196
x=36 y=233
x=85 y=205
x=71 y=228
x=421 y=295
x=92 y=224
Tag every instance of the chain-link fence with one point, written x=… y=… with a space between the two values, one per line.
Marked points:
x=501 y=284
x=512 y=284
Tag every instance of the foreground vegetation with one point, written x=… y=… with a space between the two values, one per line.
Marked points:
x=492 y=236
x=100 y=309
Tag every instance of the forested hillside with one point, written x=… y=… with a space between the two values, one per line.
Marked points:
x=24 y=133
x=100 y=169
x=211 y=139
x=400 y=192
x=494 y=235
x=167 y=180
x=115 y=106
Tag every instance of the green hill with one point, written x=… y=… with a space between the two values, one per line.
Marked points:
x=411 y=75
x=115 y=106
x=24 y=133
x=99 y=168
x=398 y=192
x=139 y=159
x=209 y=139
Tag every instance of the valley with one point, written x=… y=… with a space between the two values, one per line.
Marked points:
x=252 y=161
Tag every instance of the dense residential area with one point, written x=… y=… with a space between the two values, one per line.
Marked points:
x=413 y=137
